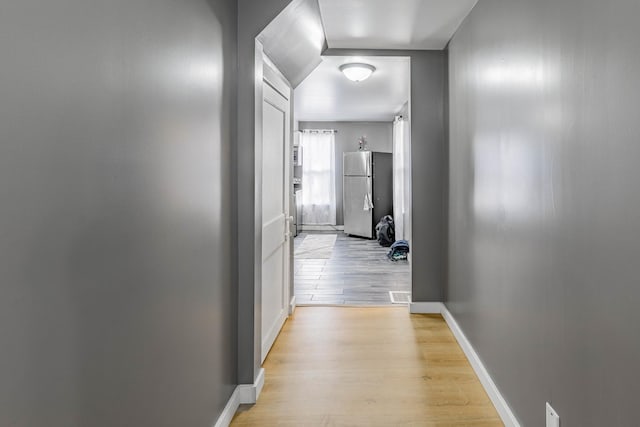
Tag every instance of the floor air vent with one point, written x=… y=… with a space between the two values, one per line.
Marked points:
x=398 y=297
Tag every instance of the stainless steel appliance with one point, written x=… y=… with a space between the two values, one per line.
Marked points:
x=367 y=191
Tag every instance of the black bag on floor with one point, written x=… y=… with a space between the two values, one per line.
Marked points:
x=385 y=231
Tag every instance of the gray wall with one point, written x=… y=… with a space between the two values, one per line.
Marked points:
x=428 y=167
x=428 y=175
x=379 y=138
x=544 y=237
x=117 y=304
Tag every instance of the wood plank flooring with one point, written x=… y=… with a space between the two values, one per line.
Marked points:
x=358 y=273
x=349 y=366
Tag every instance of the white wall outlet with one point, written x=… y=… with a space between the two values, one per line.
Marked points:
x=553 y=419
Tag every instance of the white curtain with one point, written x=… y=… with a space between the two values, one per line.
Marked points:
x=318 y=178
x=400 y=176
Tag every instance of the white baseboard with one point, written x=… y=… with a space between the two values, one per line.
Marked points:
x=506 y=414
x=249 y=393
x=322 y=227
x=242 y=395
x=292 y=305
x=426 y=307
x=229 y=410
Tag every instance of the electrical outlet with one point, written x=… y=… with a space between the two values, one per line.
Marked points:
x=553 y=419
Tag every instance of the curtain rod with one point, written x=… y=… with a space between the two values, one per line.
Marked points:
x=318 y=131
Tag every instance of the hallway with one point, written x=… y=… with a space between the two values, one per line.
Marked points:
x=151 y=155
x=334 y=366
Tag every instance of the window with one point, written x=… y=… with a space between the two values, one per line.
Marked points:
x=318 y=178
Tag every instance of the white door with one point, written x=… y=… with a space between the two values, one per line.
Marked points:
x=275 y=207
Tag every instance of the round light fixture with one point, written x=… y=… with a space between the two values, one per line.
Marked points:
x=357 y=72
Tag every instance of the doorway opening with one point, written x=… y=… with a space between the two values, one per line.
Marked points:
x=352 y=143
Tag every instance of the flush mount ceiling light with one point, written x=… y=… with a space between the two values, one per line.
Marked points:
x=357 y=72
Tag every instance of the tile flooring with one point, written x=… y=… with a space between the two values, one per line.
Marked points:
x=358 y=273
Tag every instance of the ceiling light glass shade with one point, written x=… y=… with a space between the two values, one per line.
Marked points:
x=357 y=72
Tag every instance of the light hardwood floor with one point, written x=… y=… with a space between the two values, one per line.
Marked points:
x=346 y=366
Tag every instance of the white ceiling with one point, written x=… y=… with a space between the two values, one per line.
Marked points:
x=392 y=24
x=327 y=95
